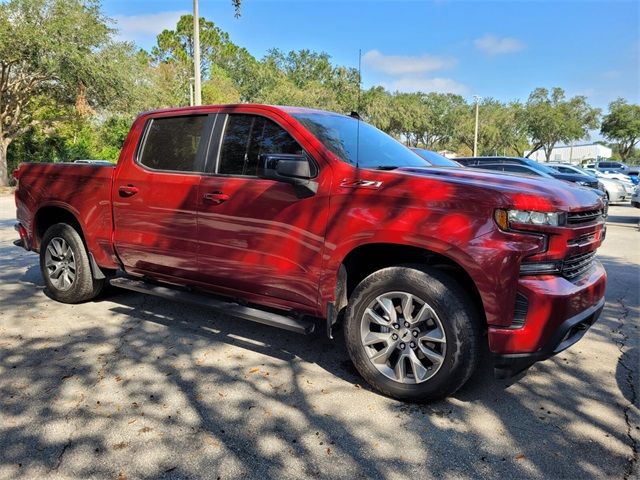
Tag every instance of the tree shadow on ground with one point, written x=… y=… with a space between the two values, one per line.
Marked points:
x=151 y=389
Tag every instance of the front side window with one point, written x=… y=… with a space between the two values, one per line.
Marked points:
x=172 y=143
x=246 y=137
x=357 y=142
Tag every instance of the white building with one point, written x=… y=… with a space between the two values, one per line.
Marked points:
x=573 y=153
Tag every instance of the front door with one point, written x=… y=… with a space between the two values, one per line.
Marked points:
x=155 y=198
x=256 y=235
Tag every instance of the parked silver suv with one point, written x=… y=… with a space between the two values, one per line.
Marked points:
x=614 y=189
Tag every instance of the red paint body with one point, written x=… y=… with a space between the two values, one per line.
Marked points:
x=267 y=246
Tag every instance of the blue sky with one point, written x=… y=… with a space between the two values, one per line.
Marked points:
x=501 y=49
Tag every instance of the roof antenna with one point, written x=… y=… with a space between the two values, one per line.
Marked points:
x=358 y=107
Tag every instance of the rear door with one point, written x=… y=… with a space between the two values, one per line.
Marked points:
x=155 y=198
x=257 y=237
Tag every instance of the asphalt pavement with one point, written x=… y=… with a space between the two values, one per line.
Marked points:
x=132 y=386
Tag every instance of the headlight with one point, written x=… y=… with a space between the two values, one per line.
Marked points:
x=584 y=184
x=508 y=218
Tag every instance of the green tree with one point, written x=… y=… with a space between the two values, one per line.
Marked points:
x=55 y=49
x=376 y=105
x=407 y=115
x=550 y=119
x=622 y=126
x=440 y=117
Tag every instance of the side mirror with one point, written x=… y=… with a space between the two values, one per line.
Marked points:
x=297 y=170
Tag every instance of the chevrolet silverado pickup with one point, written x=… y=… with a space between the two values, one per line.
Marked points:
x=300 y=218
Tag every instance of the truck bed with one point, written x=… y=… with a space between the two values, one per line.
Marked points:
x=82 y=189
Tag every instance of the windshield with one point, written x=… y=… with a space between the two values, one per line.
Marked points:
x=340 y=135
x=436 y=159
x=541 y=168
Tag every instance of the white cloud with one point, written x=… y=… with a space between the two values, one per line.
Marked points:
x=493 y=45
x=139 y=28
x=419 y=84
x=405 y=64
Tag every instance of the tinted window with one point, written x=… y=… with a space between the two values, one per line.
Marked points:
x=607 y=165
x=355 y=141
x=538 y=167
x=246 y=137
x=519 y=169
x=493 y=166
x=172 y=143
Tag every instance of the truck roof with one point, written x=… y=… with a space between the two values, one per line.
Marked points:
x=206 y=108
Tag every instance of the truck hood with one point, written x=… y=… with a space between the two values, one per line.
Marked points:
x=515 y=191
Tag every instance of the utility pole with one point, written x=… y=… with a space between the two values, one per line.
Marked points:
x=196 y=55
x=475 y=137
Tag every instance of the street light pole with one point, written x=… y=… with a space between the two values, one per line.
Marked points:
x=475 y=137
x=196 y=55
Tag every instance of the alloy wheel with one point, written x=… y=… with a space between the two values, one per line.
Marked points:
x=60 y=263
x=403 y=337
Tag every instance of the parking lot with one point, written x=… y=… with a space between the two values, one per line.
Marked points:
x=131 y=386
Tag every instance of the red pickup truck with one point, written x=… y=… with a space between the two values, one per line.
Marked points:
x=297 y=218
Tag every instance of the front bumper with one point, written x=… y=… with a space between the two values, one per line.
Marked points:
x=619 y=196
x=570 y=331
x=559 y=313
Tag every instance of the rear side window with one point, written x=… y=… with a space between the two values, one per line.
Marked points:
x=172 y=143
x=246 y=137
x=518 y=169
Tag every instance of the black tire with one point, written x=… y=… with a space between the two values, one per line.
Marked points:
x=456 y=312
x=83 y=287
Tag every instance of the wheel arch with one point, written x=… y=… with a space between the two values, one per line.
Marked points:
x=365 y=259
x=49 y=215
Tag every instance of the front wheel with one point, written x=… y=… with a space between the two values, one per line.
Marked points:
x=412 y=333
x=64 y=263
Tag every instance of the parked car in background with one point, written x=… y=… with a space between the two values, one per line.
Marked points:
x=105 y=163
x=480 y=162
x=517 y=169
x=621 y=177
x=435 y=159
x=614 y=189
x=633 y=174
x=610 y=166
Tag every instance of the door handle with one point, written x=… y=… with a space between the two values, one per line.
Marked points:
x=215 y=198
x=127 y=190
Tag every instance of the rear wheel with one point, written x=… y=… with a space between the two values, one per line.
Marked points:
x=64 y=263
x=412 y=333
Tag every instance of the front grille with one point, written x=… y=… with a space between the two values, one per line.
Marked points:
x=576 y=218
x=577 y=265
